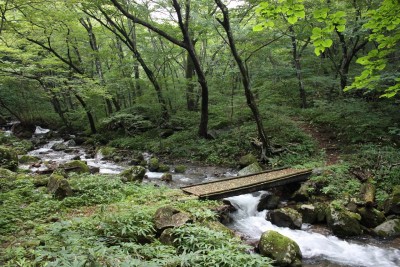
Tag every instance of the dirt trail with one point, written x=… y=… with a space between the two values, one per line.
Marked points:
x=326 y=141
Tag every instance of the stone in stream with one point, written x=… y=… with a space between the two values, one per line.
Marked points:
x=77 y=166
x=268 y=202
x=251 y=169
x=308 y=212
x=154 y=164
x=133 y=174
x=180 y=169
x=28 y=159
x=283 y=250
x=342 y=222
x=285 y=217
x=167 y=177
x=163 y=168
x=169 y=217
x=392 y=204
x=59 y=147
x=390 y=228
x=59 y=186
x=371 y=217
x=8 y=158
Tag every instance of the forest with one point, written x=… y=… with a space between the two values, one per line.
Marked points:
x=176 y=92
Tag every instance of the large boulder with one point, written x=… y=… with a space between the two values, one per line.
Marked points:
x=169 y=217
x=268 y=202
x=308 y=212
x=23 y=130
x=342 y=222
x=77 y=166
x=59 y=186
x=392 y=204
x=303 y=193
x=371 y=217
x=59 y=147
x=154 y=164
x=133 y=174
x=283 y=250
x=247 y=160
x=251 y=169
x=285 y=217
x=390 y=228
x=8 y=158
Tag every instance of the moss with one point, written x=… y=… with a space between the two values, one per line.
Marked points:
x=7 y=174
x=247 y=160
x=133 y=174
x=154 y=164
x=8 y=158
x=28 y=159
x=180 y=169
x=77 y=166
x=163 y=168
x=107 y=151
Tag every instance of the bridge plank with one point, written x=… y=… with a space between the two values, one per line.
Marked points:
x=246 y=184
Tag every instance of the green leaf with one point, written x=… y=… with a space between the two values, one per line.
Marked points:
x=292 y=19
x=340 y=28
x=327 y=43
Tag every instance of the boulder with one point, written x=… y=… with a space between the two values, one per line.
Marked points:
x=70 y=143
x=392 y=204
x=28 y=159
x=308 y=212
x=167 y=237
x=342 y=222
x=59 y=186
x=371 y=217
x=283 y=250
x=7 y=174
x=77 y=166
x=390 y=228
x=251 y=169
x=167 y=177
x=59 y=147
x=268 y=202
x=285 y=217
x=302 y=194
x=133 y=174
x=180 y=169
x=8 y=158
x=168 y=217
x=23 y=130
x=163 y=168
x=137 y=159
x=247 y=160
x=154 y=164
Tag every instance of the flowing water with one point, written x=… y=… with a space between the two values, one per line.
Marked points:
x=317 y=249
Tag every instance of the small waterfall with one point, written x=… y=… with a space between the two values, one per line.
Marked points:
x=247 y=220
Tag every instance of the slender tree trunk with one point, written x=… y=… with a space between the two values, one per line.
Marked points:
x=189 y=73
x=88 y=113
x=266 y=149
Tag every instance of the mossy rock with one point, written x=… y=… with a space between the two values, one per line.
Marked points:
x=59 y=186
x=163 y=168
x=285 y=217
x=106 y=151
x=169 y=217
x=390 y=228
x=371 y=217
x=251 y=169
x=8 y=158
x=154 y=164
x=77 y=166
x=28 y=159
x=392 y=204
x=180 y=169
x=247 y=160
x=343 y=223
x=283 y=250
x=167 y=177
x=133 y=174
x=7 y=174
x=309 y=213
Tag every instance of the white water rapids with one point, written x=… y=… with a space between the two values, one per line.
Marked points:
x=248 y=221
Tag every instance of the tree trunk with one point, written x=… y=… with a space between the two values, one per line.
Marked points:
x=88 y=113
x=266 y=149
x=189 y=73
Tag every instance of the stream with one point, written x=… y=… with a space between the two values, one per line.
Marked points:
x=318 y=249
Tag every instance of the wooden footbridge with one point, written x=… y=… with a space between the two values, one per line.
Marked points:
x=246 y=184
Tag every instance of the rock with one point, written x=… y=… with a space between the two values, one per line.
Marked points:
x=59 y=147
x=59 y=186
x=7 y=174
x=309 y=213
x=167 y=177
x=70 y=143
x=283 y=250
x=251 y=169
x=390 y=228
x=371 y=217
x=154 y=163
x=168 y=217
x=163 y=168
x=285 y=217
x=342 y=222
x=247 y=160
x=77 y=166
x=167 y=237
x=302 y=194
x=268 y=202
x=392 y=204
x=24 y=131
x=137 y=159
x=321 y=209
x=94 y=169
x=223 y=212
x=28 y=159
x=180 y=169
x=133 y=174
x=8 y=158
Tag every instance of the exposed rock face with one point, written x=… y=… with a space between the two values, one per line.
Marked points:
x=167 y=177
x=390 y=228
x=253 y=168
x=133 y=174
x=168 y=217
x=8 y=158
x=59 y=186
x=285 y=217
x=343 y=223
x=283 y=250
x=268 y=202
x=247 y=160
x=392 y=204
x=371 y=217
x=77 y=166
